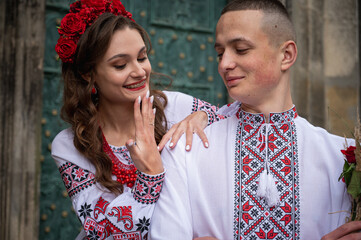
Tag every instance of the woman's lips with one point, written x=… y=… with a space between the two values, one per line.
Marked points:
x=136 y=85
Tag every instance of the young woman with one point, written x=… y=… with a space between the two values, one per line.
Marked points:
x=108 y=158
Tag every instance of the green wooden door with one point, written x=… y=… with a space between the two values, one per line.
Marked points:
x=182 y=34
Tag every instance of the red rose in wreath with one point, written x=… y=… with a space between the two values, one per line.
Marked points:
x=72 y=25
x=119 y=6
x=98 y=5
x=66 y=48
x=75 y=7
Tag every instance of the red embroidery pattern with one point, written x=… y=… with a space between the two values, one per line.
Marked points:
x=208 y=108
x=75 y=178
x=100 y=207
x=253 y=218
x=103 y=230
x=128 y=236
x=147 y=188
x=93 y=229
x=124 y=214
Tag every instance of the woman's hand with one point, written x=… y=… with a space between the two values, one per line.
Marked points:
x=143 y=149
x=347 y=231
x=194 y=123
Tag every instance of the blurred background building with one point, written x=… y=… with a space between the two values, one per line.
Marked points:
x=33 y=201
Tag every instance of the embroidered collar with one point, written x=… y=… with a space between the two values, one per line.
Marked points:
x=121 y=149
x=126 y=174
x=259 y=118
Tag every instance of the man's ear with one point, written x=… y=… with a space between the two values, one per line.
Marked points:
x=289 y=50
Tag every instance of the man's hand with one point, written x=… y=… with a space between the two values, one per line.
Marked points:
x=194 y=123
x=348 y=231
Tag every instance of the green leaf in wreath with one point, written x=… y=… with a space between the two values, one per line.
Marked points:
x=354 y=188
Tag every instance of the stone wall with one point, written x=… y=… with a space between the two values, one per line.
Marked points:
x=326 y=76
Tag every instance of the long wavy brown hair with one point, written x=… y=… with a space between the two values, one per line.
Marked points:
x=80 y=108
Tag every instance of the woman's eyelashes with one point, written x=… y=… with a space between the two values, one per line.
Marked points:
x=142 y=59
x=120 y=67
x=123 y=66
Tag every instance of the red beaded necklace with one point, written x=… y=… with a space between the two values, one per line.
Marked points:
x=126 y=174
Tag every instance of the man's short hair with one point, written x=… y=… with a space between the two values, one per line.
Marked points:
x=276 y=22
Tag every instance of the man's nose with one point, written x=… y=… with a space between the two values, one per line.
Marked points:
x=226 y=62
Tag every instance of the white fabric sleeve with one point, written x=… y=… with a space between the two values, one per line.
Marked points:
x=181 y=105
x=102 y=213
x=229 y=109
x=172 y=215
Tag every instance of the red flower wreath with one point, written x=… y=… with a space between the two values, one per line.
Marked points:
x=82 y=14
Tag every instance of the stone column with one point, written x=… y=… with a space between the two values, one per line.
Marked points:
x=22 y=34
x=325 y=79
x=342 y=64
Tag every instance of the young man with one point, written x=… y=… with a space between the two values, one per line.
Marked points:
x=268 y=174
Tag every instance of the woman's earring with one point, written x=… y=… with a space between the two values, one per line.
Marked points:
x=94 y=91
x=94 y=95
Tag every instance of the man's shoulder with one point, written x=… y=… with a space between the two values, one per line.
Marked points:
x=223 y=126
x=311 y=133
x=220 y=134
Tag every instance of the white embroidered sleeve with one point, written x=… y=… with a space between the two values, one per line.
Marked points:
x=181 y=105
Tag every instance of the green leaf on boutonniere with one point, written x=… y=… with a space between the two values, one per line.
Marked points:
x=354 y=188
x=347 y=172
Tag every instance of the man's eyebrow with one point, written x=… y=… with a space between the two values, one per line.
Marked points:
x=238 y=39
x=120 y=55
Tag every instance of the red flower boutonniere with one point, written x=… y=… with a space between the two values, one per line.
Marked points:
x=351 y=175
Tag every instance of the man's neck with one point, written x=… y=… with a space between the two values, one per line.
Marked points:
x=269 y=107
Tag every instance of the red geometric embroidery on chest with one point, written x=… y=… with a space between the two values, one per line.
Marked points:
x=124 y=214
x=100 y=207
x=104 y=229
x=255 y=219
x=102 y=225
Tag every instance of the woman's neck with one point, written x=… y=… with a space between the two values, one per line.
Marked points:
x=117 y=123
